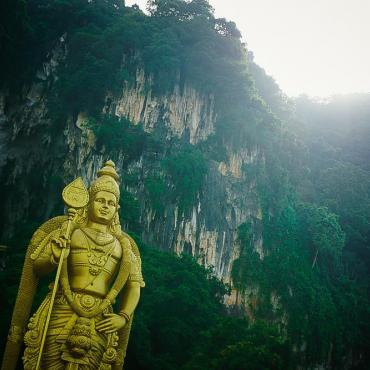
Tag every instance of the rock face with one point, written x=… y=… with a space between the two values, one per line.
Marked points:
x=184 y=112
x=228 y=197
x=208 y=231
x=24 y=141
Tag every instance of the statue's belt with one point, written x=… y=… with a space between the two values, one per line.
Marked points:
x=87 y=302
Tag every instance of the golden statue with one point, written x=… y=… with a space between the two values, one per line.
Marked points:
x=75 y=326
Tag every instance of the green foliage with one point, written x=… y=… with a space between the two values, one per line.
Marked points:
x=181 y=41
x=178 y=180
x=322 y=230
x=213 y=149
x=245 y=268
x=345 y=189
x=336 y=137
x=32 y=28
x=157 y=191
x=335 y=134
x=293 y=232
x=310 y=287
x=233 y=344
x=245 y=234
x=14 y=23
x=176 y=328
x=129 y=211
x=179 y=9
x=186 y=169
x=171 y=315
x=119 y=135
x=99 y=52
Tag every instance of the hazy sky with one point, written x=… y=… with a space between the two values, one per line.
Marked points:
x=317 y=47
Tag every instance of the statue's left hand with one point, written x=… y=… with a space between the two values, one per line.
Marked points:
x=112 y=323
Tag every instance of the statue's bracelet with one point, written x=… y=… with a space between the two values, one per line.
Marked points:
x=125 y=315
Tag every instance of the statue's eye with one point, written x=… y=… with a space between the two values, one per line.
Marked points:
x=112 y=204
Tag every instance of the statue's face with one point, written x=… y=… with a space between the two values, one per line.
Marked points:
x=103 y=207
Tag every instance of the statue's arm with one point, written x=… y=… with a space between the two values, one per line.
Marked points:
x=47 y=259
x=130 y=298
x=131 y=291
x=43 y=262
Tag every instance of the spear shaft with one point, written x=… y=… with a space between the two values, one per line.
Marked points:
x=53 y=294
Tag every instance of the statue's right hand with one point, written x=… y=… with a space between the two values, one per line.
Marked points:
x=71 y=213
x=57 y=245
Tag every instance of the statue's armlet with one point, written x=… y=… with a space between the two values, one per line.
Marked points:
x=135 y=272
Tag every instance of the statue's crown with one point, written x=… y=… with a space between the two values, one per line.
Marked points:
x=107 y=180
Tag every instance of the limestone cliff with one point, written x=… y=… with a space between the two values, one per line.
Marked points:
x=184 y=112
x=208 y=231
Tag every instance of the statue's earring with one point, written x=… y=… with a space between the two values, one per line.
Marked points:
x=82 y=216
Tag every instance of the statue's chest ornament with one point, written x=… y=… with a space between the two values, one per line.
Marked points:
x=98 y=257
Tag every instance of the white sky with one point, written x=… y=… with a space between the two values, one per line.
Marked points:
x=316 y=47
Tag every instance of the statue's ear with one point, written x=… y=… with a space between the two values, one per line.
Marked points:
x=118 y=207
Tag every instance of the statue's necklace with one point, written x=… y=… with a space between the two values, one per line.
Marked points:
x=97 y=260
x=98 y=237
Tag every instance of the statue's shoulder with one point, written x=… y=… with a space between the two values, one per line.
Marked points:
x=78 y=234
x=48 y=229
x=124 y=240
x=127 y=241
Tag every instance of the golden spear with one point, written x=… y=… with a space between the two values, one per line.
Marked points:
x=75 y=195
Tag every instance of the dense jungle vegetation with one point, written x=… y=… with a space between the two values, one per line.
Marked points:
x=313 y=184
